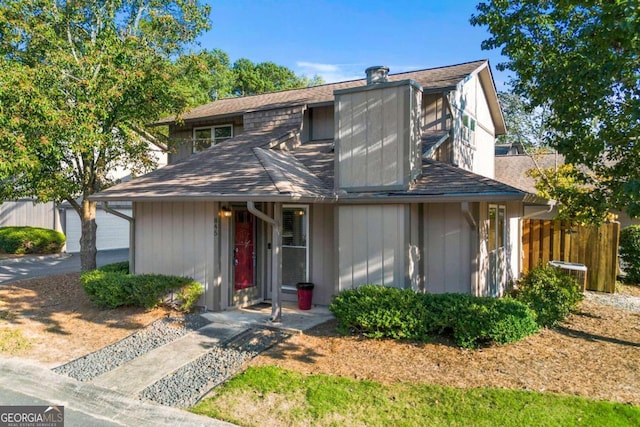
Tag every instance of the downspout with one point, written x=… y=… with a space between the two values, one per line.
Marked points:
x=468 y=215
x=132 y=234
x=542 y=211
x=276 y=286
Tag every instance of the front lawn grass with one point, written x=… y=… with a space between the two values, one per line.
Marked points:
x=273 y=396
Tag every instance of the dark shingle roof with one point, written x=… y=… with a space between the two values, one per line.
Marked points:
x=431 y=79
x=512 y=169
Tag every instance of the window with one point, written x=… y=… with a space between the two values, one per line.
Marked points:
x=205 y=136
x=295 y=248
x=468 y=129
x=497 y=227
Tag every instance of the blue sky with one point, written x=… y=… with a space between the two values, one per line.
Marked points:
x=339 y=39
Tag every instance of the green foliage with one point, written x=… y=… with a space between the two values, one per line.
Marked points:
x=79 y=80
x=294 y=399
x=579 y=203
x=579 y=59
x=189 y=294
x=377 y=312
x=115 y=288
x=118 y=267
x=630 y=252
x=253 y=79
x=525 y=124
x=550 y=293
x=209 y=75
x=30 y=240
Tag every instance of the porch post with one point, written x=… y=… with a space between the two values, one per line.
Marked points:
x=276 y=266
x=276 y=263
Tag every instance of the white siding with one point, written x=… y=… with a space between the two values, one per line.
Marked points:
x=179 y=239
x=477 y=155
x=112 y=231
x=373 y=243
x=448 y=252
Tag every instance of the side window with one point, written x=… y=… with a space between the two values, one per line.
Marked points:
x=468 y=129
x=295 y=244
x=204 y=137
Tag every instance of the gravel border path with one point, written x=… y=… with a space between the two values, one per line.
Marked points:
x=186 y=386
x=155 y=335
x=618 y=300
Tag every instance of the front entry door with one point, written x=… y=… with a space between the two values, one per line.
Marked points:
x=244 y=258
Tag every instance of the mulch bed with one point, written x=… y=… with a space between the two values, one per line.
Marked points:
x=595 y=353
x=61 y=323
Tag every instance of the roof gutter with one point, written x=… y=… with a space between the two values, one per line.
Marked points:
x=132 y=234
x=276 y=283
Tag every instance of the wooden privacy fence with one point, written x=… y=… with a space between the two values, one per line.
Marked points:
x=594 y=246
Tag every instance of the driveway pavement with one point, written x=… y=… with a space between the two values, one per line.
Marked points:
x=49 y=265
x=29 y=383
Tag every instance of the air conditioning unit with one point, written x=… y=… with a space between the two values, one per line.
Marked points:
x=574 y=269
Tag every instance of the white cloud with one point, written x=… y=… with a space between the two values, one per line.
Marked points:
x=318 y=68
x=330 y=73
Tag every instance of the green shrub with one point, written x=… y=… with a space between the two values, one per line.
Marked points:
x=383 y=312
x=114 y=288
x=630 y=252
x=119 y=267
x=377 y=312
x=486 y=320
x=189 y=294
x=550 y=293
x=107 y=289
x=30 y=240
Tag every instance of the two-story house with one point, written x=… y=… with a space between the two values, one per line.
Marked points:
x=385 y=180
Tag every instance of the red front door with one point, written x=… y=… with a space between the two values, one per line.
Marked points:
x=243 y=252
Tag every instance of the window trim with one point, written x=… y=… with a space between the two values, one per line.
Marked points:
x=307 y=227
x=212 y=128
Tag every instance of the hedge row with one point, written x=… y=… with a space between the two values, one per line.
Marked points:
x=544 y=297
x=378 y=312
x=30 y=240
x=112 y=287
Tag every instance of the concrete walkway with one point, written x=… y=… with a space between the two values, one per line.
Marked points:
x=136 y=375
x=151 y=367
x=108 y=400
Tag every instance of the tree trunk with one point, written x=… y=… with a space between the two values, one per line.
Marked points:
x=88 y=248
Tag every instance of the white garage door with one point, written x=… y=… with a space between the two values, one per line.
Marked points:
x=113 y=231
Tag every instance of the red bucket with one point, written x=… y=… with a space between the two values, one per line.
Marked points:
x=305 y=295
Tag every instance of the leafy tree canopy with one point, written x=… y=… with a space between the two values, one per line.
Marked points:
x=78 y=81
x=526 y=125
x=582 y=60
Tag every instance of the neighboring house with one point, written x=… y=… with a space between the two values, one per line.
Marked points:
x=512 y=170
x=385 y=181
x=112 y=231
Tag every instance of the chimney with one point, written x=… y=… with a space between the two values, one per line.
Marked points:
x=377 y=139
x=377 y=74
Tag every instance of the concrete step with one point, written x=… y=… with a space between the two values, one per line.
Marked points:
x=137 y=374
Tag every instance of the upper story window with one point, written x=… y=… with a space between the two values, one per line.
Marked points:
x=468 y=129
x=204 y=137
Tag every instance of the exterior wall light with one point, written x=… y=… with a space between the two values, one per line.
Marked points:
x=225 y=212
